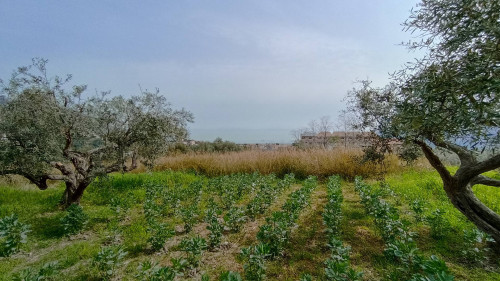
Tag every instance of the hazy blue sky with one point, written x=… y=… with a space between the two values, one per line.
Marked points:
x=245 y=69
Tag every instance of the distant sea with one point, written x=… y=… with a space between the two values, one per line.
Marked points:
x=243 y=135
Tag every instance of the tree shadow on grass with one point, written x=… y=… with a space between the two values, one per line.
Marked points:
x=49 y=227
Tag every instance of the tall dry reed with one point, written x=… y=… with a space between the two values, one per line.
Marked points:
x=302 y=163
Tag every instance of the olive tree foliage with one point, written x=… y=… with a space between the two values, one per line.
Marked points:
x=449 y=99
x=49 y=131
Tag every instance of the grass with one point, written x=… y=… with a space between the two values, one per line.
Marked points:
x=305 y=254
x=318 y=162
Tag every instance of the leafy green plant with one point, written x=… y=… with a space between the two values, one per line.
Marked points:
x=400 y=245
x=475 y=249
x=193 y=247
x=255 y=261
x=159 y=234
x=230 y=276
x=189 y=216
x=275 y=233
x=439 y=225
x=418 y=208
x=13 y=233
x=148 y=271
x=215 y=236
x=235 y=218
x=179 y=265
x=337 y=267
x=333 y=214
x=120 y=206
x=107 y=260
x=306 y=277
x=45 y=273
x=75 y=220
x=433 y=269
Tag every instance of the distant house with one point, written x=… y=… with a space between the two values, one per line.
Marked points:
x=335 y=139
x=346 y=139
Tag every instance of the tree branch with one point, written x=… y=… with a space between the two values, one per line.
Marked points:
x=482 y=167
x=466 y=157
x=434 y=160
x=485 y=180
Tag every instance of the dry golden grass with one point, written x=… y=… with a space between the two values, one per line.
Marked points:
x=302 y=163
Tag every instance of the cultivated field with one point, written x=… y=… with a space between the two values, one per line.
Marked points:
x=171 y=225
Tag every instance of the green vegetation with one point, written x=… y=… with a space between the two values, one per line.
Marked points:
x=135 y=230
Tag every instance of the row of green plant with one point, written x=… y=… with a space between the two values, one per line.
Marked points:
x=265 y=194
x=400 y=245
x=274 y=235
x=337 y=266
x=474 y=246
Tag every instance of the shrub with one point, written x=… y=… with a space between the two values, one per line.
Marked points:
x=75 y=220
x=13 y=233
x=47 y=272
x=107 y=260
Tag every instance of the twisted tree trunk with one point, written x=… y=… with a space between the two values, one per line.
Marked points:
x=458 y=187
x=73 y=193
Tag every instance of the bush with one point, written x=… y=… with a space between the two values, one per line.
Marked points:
x=75 y=220
x=107 y=260
x=13 y=233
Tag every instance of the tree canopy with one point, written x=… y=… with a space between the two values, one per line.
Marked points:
x=448 y=99
x=51 y=131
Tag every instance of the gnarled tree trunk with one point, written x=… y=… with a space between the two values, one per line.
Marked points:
x=464 y=199
x=458 y=187
x=73 y=192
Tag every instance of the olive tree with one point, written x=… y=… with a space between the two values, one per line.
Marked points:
x=449 y=99
x=49 y=131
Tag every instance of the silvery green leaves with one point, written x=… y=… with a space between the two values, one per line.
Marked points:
x=13 y=233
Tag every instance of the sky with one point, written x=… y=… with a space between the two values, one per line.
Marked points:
x=249 y=71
